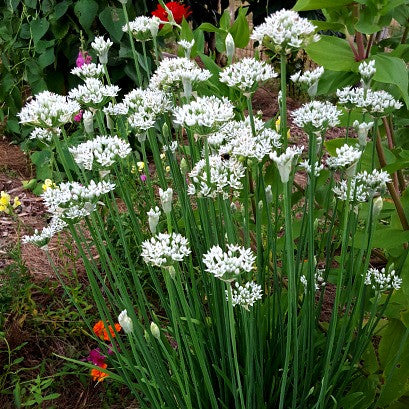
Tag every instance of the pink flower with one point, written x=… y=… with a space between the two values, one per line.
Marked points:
x=143 y=178
x=78 y=117
x=96 y=357
x=83 y=58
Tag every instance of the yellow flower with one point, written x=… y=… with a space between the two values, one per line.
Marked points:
x=48 y=183
x=162 y=156
x=278 y=123
x=16 y=202
x=167 y=168
x=4 y=209
x=133 y=169
x=141 y=166
x=4 y=199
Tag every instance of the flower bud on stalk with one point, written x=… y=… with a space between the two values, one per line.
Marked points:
x=230 y=47
x=155 y=331
x=377 y=206
x=125 y=322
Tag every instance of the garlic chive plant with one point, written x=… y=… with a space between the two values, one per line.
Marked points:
x=212 y=255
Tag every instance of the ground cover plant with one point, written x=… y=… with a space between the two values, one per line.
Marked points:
x=221 y=279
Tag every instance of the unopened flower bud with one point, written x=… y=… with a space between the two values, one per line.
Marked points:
x=260 y=205
x=184 y=167
x=155 y=331
x=153 y=219
x=110 y=122
x=166 y=199
x=125 y=322
x=269 y=194
x=88 y=122
x=377 y=206
x=230 y=47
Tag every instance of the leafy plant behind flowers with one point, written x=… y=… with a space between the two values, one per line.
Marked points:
x=211 y=285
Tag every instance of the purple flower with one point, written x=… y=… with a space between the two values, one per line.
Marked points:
x=143 y=178
x=83 y=58
x=96 y=357
x=78 y=117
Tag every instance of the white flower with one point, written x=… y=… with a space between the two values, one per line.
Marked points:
x=153 y=219
x=205 y=114
x=187 y=46
x=246 y=295
x=367 y=69
x=228 y=265
x=72 y=200
x=93 y=93
x=143 y=28
x=102 y=46
x=173 y=72
x=48 y=110
x=88 y=70
x=172 y=147
x=101 y=151
x=44 y=134
x=285 y=29
x=246 y=74
x=316 y=116
x=318 y=167
x=346 y=156
x=374 y=102
x=163 y=249
x=286 y=160
x=166 y=199
x=362 y=186
x=116 y=109
x=42 y=239
x=319 y=280
x=238 y=139
x=125 y=322
x=225 y=175
x=362 y=130
x=308 y=77
x=381 y=280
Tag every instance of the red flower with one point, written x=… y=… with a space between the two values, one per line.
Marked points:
x=178 y=10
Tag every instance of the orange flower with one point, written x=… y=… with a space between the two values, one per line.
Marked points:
x=101 y=332
x=98 y=375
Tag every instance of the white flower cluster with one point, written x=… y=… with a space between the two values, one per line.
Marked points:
x=205 y=114
x=44 y=134
x=225 y=175
x=143 y=28
x=362 y=186
x=318 y=167
x=238 y=139
x=308 y=77
x=163 y=249
x=88 y=70
x=187 y=46
x=101 y=151
x=374 y=102
x=362 y=130
x=286 y=160
x=72 y=200
x=93 y=93
x=382 y=280
x=228 y=265
x=367 y=69
x=173 y=74
x=346 y=156
x=101 y=47
x=319 y=280
x=48 y=110
x=245 y=295
x=316 y=116
x=246 y=74
x=284 y=30
x=47 y=233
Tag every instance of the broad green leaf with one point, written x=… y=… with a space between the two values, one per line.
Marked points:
x=330 y=81
x=46 y=58
x=304 y=5
x=59 y=10
x=332 y=53
x=240 y=29
x=113 y=19
x=38 y=28
x=186 y=32
x=86 y=11
x=392 y=70
x=327 y=25
x=225 y=20
x=332 y=144
x=210 y=28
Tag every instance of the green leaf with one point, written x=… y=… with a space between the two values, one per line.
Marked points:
x=225 y=20
x=240 y=30
x=38 y=28
x=332 y=53
x=210 y=28
x=327 y=25
x=46 y=58
x=392 y=70
x=304 y=5
x=40 y=158
x=332 y=144
x=330 y=81
x=86 y=11
x=113 y=19
x=59 y=10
